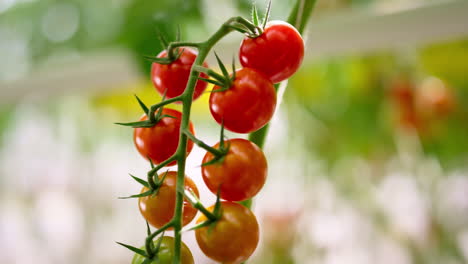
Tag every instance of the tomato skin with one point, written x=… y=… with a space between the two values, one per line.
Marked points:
x=241 y=174
x=173 y=77
x=166 y=253
x=247 y=105
x=159 y=210
x=160 y=142
x=277 y=52
x=233 y=238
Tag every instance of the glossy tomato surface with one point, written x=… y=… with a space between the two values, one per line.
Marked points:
x=158 y=210
x=172 y=78
x=240 y=175
x=166 y=253
x=233 y=238
x=160 y=142
x=247 y=105
x=277 y=52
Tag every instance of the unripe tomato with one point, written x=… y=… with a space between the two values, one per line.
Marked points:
x=160 y=142
x=240 y=174
x=231 y=239
x=247 y=105
x=158 y=210
x=172 y=78
x=277 y=52
x=166 y=253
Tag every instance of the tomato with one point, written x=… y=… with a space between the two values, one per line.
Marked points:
x=435 y=99
x=158 y=210
x=232 y=238
x=247 y=105
x=166 y=253
x=277 y=52
x=240 y=174
x=172 y=78
x=160 y=142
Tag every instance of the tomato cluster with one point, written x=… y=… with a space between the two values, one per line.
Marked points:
x=233 y=169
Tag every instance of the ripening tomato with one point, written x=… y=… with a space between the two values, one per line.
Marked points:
x=240 y=174
x=160 y=142
x=166 y=253
x=247 y=105
x=172 y=78
x=158 y=210
x=277 y=52
x=231 y=239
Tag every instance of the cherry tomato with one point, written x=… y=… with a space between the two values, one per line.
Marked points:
x=277 y=52
x=160 y=142
x=172 y=78
x=240 y=174
x=247 y=105
x=231 y=239
x=166 y=253
x=158 y=210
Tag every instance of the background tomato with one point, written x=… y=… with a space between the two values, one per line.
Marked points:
x=158 y=210
x=247 y=105
x=160 y=142
x=240 y=175
x=233 y=238
x=278 y=52
x=172 y=78
x=166 y=252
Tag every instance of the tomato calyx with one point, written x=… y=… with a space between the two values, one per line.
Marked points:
x=154 y=113
x=173 y=50
x=212 y=217
x=223 y=80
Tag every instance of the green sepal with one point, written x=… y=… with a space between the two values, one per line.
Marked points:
x=221 y=66
x=142 y=105
x=147 y=193
x=148 y=229
x=167 y=116
x=267 y=15
x=140 y=181
x=145 y=123
x=217 y=207
x=255 y=15
x=134 y=249
x=201 y=225
x=163 y=61
x=211 y=81
x=213 y=161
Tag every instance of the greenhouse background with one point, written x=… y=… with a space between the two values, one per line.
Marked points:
x=368 y=151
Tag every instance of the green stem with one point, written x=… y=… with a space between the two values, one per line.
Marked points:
x=203 y=49
x=216 y=152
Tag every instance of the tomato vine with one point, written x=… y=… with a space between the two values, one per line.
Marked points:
x=218 y=155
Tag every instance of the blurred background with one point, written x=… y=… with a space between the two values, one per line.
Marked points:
x=368 y=153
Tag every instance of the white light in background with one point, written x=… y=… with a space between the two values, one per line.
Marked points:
x=60 y=222
x=404 y=204
x=60 y=22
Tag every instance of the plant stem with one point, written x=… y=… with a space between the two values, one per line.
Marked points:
x=203 y=50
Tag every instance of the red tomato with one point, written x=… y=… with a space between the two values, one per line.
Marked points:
x=240 y=175
x=247 y=105
x=277 y=52
x=173 y=77
x=233 y=238
x=158 y=210
x=160 y=142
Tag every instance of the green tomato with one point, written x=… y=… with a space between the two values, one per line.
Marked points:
x=166 y=252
